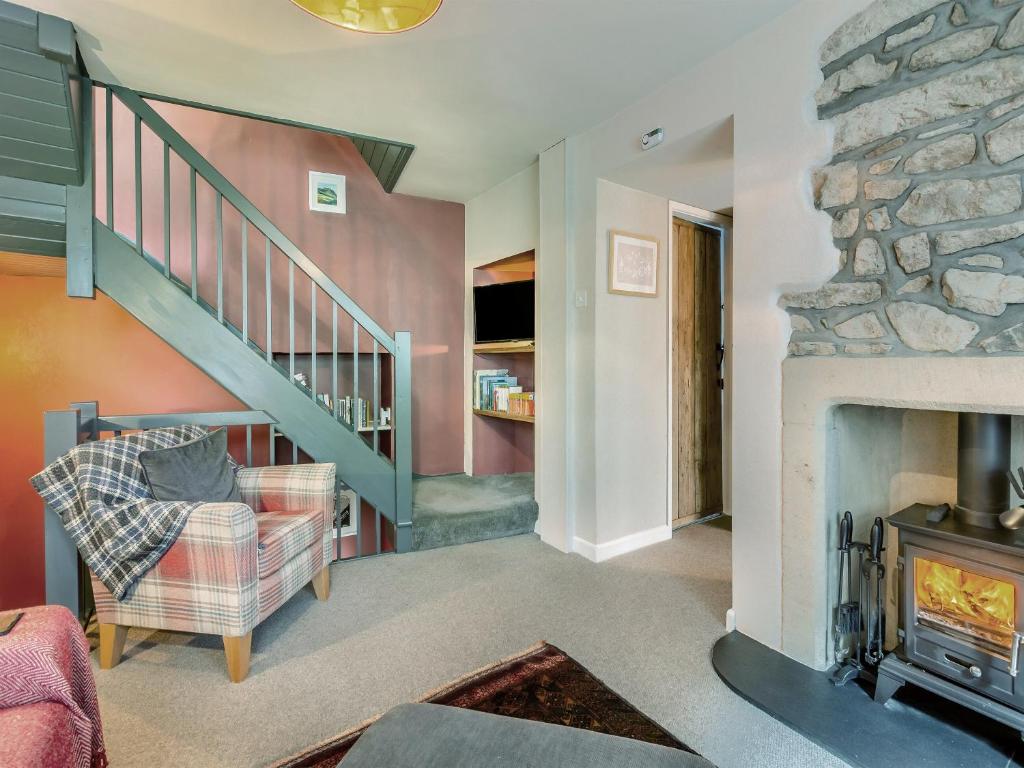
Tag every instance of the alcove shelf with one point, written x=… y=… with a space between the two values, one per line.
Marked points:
x=503 y=443
x=505 y=348
x=503 y=415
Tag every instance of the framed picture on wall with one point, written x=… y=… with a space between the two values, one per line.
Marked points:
x=633 y=265
x=326 y=192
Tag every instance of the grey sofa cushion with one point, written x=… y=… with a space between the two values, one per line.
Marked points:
x=434 y=736
x=194 y=471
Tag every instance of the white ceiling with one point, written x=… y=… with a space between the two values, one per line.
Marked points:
x=696 y=169
x=480 y=89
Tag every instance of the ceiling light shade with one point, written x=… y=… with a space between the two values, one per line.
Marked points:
x=374 y=16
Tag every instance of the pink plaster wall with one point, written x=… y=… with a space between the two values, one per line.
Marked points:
x=401 y=258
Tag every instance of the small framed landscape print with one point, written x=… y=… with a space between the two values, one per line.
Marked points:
x=633 y=265
x=326 y=192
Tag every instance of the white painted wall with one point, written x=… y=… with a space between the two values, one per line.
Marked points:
x=554 y=439
x=501 y=222
x=630 y=377
x=764 y=82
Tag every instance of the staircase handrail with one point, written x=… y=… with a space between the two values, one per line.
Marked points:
x=162 y=129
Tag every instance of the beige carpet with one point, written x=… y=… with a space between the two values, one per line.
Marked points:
x=397 y=626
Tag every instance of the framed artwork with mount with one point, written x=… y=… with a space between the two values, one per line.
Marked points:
x=326 y=192
x=632 y=264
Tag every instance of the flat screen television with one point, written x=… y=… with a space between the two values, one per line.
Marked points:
x=503 y=312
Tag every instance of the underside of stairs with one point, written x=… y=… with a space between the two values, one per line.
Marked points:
x=458 y=509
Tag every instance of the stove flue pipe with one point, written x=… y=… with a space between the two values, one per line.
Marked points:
x=983 y=459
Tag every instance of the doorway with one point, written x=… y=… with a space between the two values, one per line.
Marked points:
x=698 y=374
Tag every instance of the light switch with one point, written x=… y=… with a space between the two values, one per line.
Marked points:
x=581 y=298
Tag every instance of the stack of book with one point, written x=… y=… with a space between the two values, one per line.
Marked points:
x=485 y=384
x=494 y=390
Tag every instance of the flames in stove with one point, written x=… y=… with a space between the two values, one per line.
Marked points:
x=980 y=607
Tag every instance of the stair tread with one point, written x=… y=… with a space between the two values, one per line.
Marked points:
x=458 y=509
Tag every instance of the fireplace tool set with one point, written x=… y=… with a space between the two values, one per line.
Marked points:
x=860 y=614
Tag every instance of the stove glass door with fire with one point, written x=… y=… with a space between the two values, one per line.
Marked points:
x=962 y=616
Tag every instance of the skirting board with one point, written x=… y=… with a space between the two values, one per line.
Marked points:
x=598 y=553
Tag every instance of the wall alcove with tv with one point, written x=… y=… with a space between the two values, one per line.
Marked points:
x=503 y=366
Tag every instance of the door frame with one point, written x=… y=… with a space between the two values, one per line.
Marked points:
x=723 y=224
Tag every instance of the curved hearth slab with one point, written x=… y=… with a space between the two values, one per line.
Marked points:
x=914 y=728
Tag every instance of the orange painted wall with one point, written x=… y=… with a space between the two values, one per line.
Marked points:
x=55 y=350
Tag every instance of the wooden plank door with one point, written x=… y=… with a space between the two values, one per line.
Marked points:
x=696 y=376
x=707 y=389
x=683 y=346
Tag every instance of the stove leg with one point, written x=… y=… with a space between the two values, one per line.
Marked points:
x=886 y=685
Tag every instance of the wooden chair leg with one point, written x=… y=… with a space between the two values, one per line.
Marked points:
x=112 y=638
x=237 y=651
x=322 y=584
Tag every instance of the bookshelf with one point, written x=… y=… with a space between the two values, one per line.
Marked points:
x=502 y=442
x=512 y=366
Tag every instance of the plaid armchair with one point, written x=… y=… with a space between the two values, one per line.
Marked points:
x=233 y=564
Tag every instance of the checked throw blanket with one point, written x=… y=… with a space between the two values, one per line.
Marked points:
x=105 y=504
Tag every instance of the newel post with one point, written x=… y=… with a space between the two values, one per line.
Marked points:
x=403 y=441
x=60 y=429
x=80 y=270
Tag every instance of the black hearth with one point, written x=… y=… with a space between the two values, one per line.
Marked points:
x=962 y=586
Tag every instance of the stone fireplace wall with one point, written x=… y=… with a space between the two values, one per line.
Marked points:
x=924 y=189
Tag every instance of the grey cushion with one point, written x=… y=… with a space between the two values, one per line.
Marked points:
x=433 y=736
x=194 y=471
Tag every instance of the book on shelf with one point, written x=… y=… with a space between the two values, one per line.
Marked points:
x=480 y=378
x=494 y=390
x=363 y=411
x=520 y=403
x=501 y=397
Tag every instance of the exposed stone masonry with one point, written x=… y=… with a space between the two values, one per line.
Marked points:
x=925 y=188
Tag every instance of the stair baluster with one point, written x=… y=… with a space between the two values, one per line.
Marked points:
x=167 y=210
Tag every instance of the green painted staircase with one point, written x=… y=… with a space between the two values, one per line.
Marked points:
x=194 y=314
x=49 y=157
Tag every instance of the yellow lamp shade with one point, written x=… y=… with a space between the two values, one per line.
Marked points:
x=374 y=16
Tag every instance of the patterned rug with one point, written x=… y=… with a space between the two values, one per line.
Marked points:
x=542 y=683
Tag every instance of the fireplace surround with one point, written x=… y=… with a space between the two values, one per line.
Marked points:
x=831 y=461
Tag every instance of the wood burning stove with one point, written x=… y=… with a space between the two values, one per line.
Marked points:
x=961 y=614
